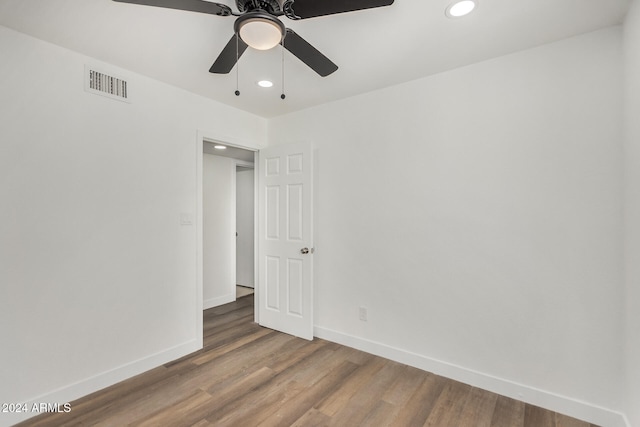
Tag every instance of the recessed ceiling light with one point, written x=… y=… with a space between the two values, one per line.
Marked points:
x=265 y=83
x=461 y=8
x=219 y=147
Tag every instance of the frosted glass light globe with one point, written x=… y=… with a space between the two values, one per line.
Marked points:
x=260 y=34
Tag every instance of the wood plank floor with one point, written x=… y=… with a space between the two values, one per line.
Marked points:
x=247 y=375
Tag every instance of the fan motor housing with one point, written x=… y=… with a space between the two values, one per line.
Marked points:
x=271 y=6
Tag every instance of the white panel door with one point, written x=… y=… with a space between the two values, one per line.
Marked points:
x=285 y=265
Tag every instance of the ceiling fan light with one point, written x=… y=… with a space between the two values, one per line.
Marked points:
x=460 y=8
x=260 y=33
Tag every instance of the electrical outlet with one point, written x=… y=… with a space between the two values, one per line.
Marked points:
x=363 y=314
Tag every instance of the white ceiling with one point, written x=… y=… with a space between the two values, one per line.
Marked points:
x=373 y=48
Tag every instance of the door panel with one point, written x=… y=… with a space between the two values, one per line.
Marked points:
x=295 y=286
x=294 y=213
x=272 y=282
x=273 y=212
x=285 y=294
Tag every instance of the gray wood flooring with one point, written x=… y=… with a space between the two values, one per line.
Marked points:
x=247 y=375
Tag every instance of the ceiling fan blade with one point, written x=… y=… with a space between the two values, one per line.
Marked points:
x=308 y=54
x=189 y=5
x=229 y=56
x=302 y=9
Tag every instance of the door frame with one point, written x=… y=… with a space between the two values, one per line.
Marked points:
x=211 y=137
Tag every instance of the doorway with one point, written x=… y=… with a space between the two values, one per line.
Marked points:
x=228 y=223
x=283 y=208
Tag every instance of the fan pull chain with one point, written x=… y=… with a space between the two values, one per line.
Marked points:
x=237 y=66
x=282 y=96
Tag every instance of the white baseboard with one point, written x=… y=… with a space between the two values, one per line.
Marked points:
x=562 y=404
x=98 y=382
x=214 y=302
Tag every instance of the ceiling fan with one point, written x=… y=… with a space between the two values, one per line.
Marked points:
x=258 y=26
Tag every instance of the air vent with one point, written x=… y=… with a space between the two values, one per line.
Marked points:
x=100 y=83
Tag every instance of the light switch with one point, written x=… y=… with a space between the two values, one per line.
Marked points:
x=186 y=218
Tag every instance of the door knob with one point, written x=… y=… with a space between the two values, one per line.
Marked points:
x=305 y=251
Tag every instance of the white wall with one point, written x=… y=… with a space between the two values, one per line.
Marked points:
x=477 y=215
x=219 y=224
x=245 y=225
x=632 y=208
x=97 y=274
